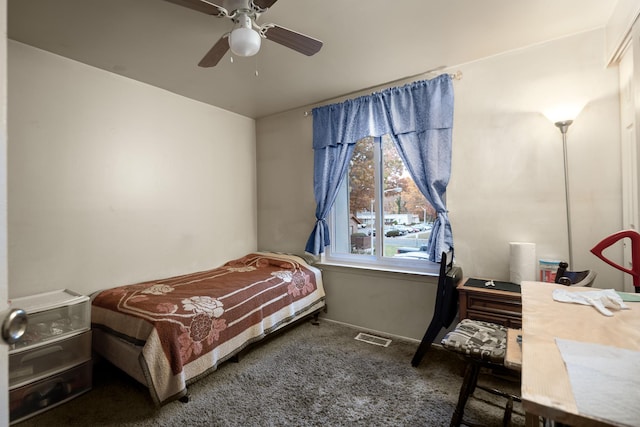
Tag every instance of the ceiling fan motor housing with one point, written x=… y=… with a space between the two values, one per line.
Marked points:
x=234 y=6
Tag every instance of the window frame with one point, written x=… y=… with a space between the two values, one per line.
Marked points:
x=376 y=261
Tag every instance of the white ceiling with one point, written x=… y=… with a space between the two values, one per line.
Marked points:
x=366 y=42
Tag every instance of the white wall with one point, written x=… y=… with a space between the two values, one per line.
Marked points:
x=112 y=181
x=508 y=177
x=507 y=180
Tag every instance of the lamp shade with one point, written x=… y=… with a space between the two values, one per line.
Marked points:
x=564 y=112
x=244 y=41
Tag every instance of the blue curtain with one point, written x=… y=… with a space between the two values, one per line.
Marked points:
x=330 y=166
x=419 y=118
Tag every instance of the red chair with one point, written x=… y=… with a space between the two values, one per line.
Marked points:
x=634 y=236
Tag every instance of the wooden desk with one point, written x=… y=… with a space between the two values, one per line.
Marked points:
x=490 y=305
x=546 y=390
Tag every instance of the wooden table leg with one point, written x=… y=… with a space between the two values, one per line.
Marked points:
x=531 y=420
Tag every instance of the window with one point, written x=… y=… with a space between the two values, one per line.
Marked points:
x=419 y=116
x=379 y=216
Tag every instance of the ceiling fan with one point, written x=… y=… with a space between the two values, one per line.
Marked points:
x=245 y=38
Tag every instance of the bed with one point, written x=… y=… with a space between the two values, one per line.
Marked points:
x=168 y=333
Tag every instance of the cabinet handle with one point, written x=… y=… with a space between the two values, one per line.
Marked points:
x=41 y=353
x=14 y=325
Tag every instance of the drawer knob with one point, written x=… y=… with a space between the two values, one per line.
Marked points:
x=14 y=325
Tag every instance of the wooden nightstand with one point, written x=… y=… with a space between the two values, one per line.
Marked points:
x=491 y=305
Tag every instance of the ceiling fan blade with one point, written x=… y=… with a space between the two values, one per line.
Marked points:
x=293 y=40
x=264 y=4
x=215 y=54
x=200 y=6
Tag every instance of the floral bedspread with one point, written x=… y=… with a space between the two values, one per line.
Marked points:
x=188 y=324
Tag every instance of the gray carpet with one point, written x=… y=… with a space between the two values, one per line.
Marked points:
x=311 y=375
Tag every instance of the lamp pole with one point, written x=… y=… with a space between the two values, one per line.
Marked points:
x=424 y=214
x=564 y=126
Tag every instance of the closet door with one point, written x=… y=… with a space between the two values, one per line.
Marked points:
x=4 y=349
x=629 y=69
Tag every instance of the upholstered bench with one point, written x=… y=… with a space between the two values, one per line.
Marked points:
x=482 y=344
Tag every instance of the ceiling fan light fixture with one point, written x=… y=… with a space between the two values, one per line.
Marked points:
x=244 y=41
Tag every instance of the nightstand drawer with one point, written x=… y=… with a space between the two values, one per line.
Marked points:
x=33 y=363
x=41 y=395
x=491 y=304
x=52 y=316
x=507 y=320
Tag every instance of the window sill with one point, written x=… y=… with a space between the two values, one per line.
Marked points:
x=430 y=272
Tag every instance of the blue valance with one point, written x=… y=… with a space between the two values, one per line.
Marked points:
x=415 y=107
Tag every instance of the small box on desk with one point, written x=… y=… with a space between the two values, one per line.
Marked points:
x=548 y=269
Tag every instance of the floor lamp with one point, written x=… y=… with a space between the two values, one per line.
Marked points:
x=563 y=126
